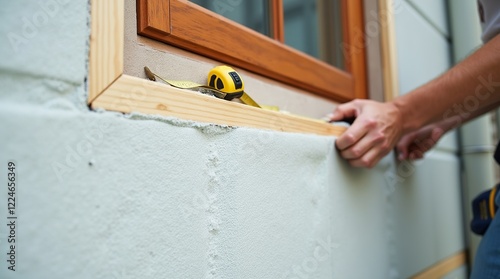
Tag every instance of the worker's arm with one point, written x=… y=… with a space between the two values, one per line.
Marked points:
x=469 y=89
x=413 y=145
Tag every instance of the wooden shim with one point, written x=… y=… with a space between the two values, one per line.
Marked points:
x=130 y=94
x=389 y=51
x=443 y=267
x=106 y=45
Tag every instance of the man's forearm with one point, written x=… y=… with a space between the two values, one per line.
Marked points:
x=456 y=121
x=468 y=90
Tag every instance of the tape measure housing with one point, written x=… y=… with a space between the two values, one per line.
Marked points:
x=227 y=80
x=223 y=83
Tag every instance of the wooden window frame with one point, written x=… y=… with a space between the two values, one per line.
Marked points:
x=189 y=26
x=111 y=89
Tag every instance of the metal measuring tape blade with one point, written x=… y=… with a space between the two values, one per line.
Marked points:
x=185 y=84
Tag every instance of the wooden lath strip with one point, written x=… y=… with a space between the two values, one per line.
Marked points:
x=131 y=94
x=443 y=267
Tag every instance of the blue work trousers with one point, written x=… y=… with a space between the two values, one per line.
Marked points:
x=487 y=262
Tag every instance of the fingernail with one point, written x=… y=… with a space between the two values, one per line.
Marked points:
x=329 y=117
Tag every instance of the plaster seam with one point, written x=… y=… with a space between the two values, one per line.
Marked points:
x=213 y=215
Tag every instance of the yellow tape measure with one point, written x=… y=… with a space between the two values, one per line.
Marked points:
x=223 y=82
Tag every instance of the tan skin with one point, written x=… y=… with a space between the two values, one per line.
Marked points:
x=416 y=121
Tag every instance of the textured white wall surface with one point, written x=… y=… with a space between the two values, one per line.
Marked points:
x=102 y=195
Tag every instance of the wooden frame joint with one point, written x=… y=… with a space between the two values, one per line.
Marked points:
x=153 y=17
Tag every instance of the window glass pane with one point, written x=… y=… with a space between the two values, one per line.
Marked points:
x=314 y=27
x=253 y=14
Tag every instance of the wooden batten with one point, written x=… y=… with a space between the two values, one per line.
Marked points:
x=443 y=267
x=130 y=94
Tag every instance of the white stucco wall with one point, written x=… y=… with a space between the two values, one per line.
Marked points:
x=102 y=195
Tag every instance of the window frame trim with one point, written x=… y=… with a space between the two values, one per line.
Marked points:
x=184 y=24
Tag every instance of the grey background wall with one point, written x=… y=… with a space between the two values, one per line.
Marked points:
x=431 y=195
x=102 y=195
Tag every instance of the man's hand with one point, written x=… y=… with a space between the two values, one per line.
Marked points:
x=374 y=133
x=413 y=145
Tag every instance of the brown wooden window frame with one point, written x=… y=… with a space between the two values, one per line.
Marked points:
x=189 y=26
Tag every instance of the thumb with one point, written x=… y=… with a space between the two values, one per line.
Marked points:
x=403 y=146
x=402 y=152
x=437 y=133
